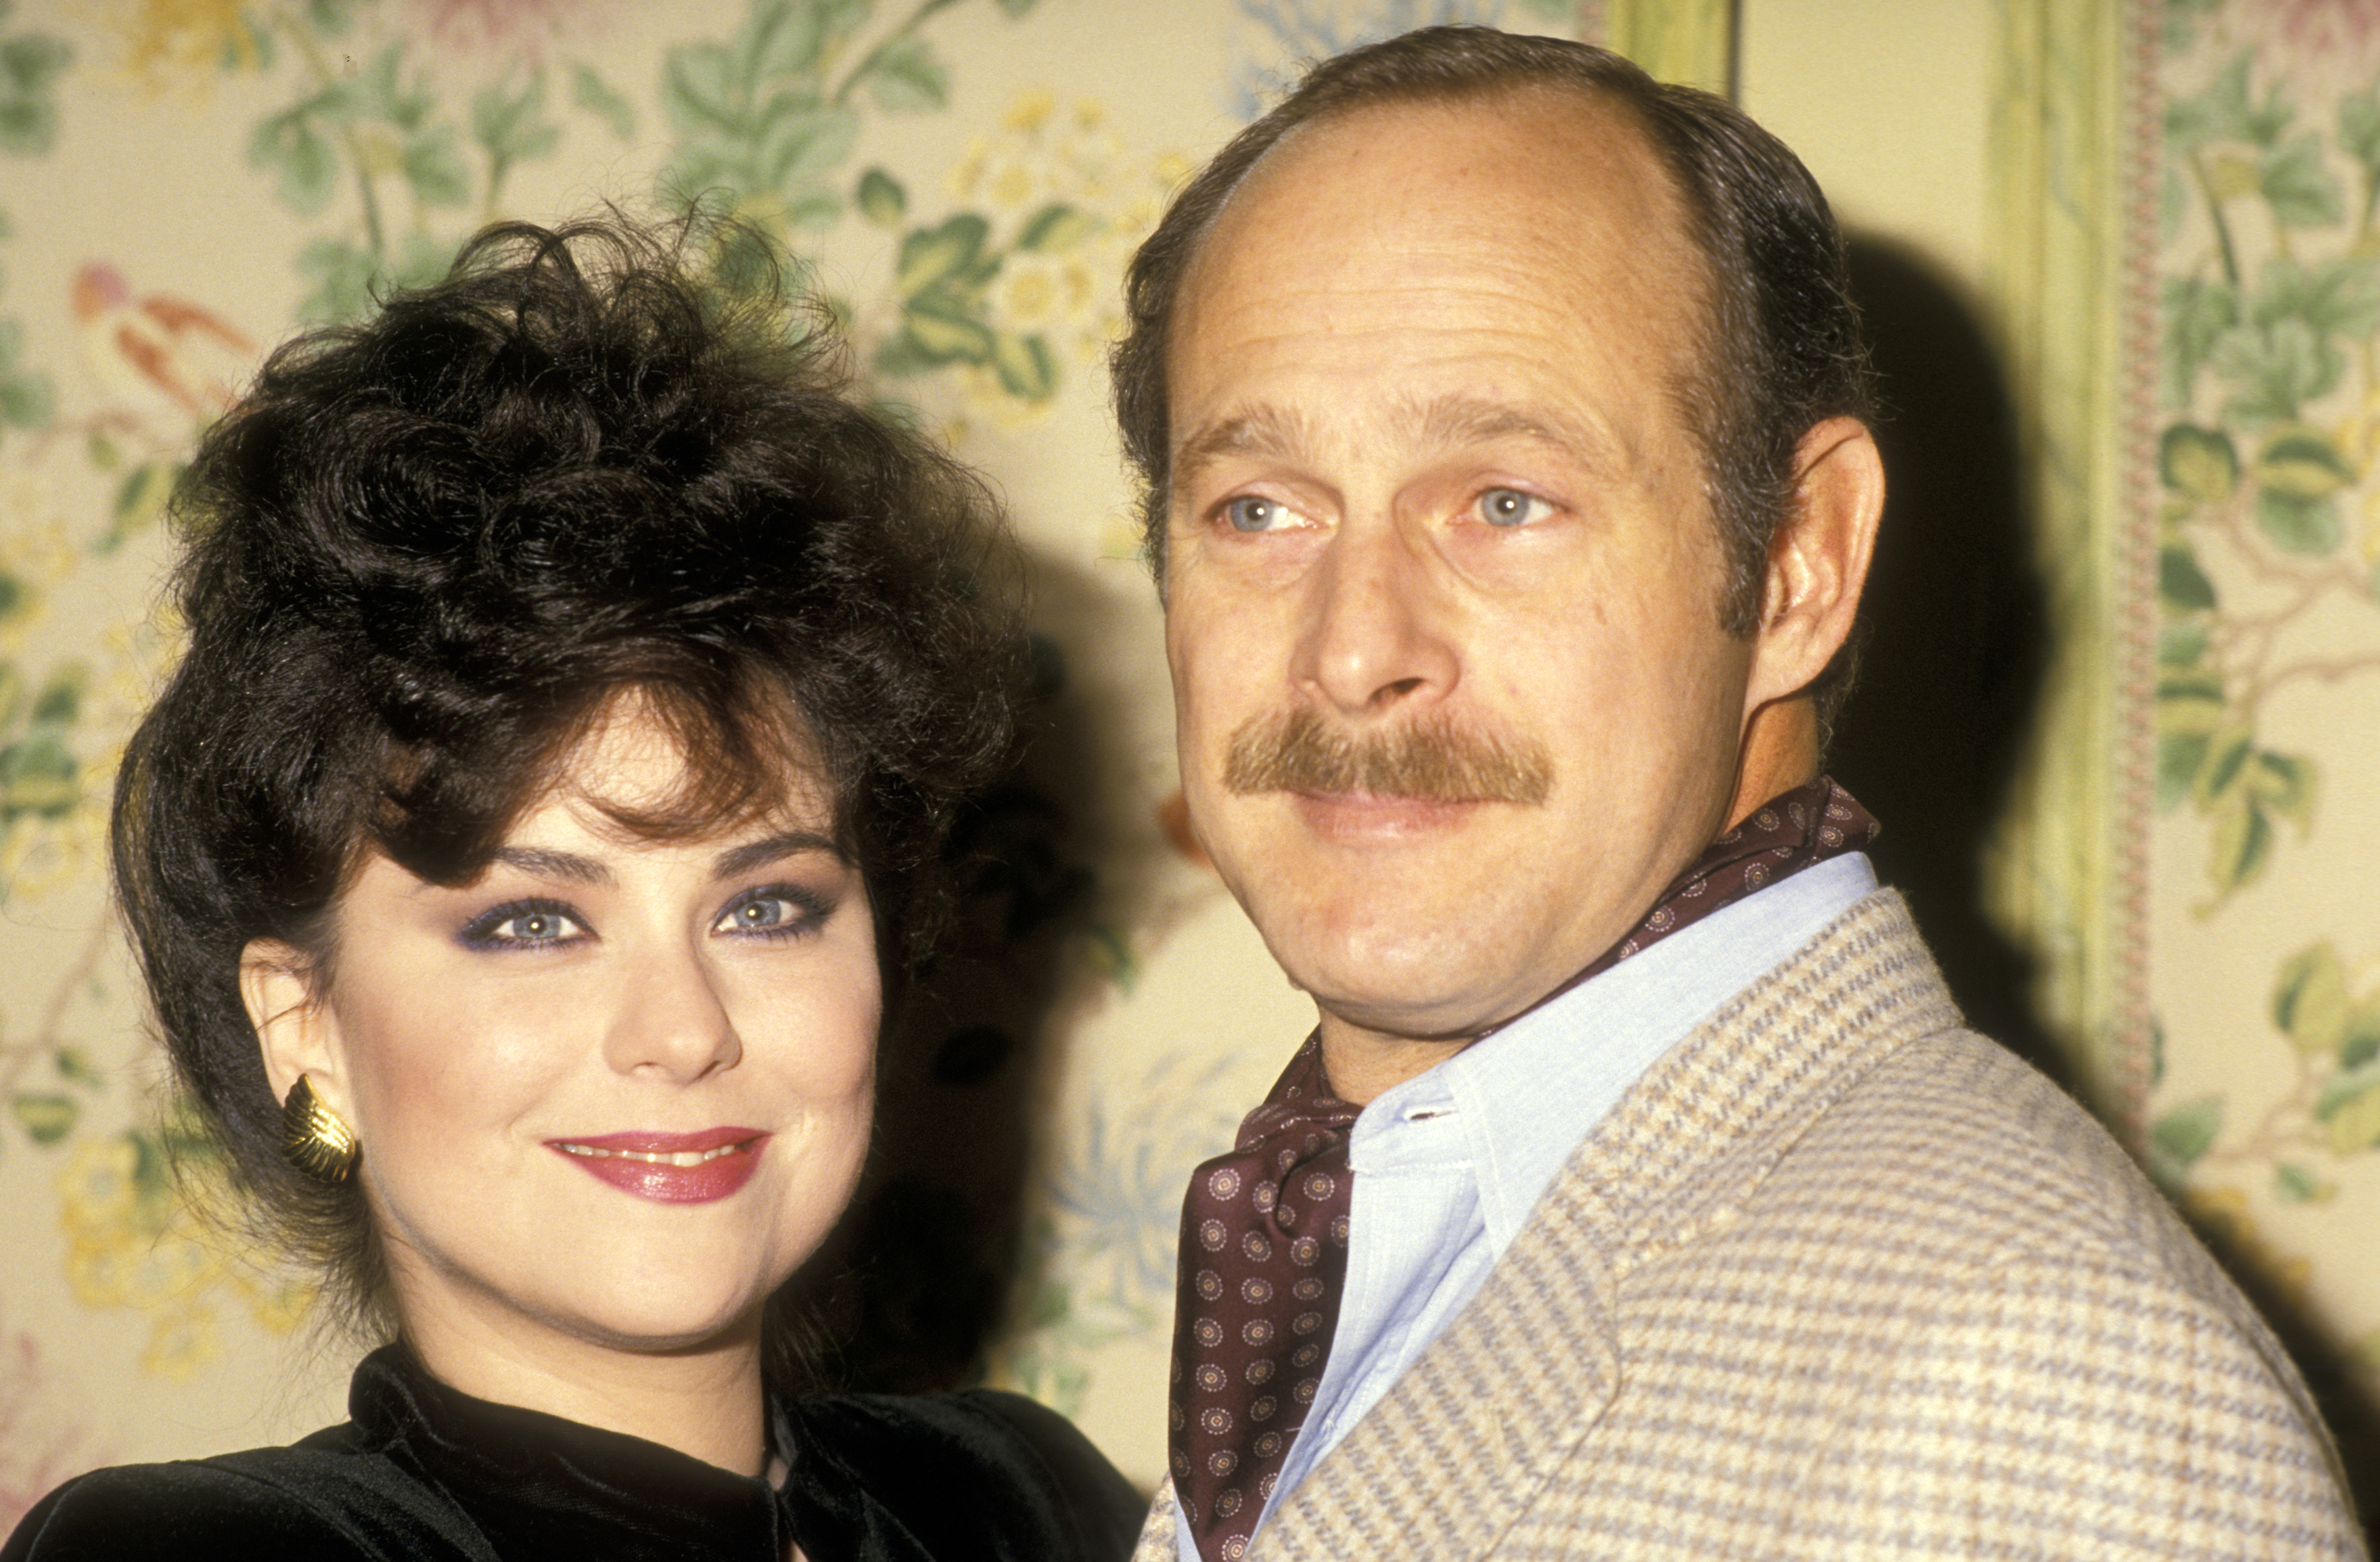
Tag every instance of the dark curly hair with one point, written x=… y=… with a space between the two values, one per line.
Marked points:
x=426 y=552
x=1782 y=350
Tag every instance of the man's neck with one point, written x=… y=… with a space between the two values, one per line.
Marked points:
x=1363 y=1063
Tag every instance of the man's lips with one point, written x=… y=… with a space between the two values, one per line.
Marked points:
x=1373 y=814
x=670 y=1168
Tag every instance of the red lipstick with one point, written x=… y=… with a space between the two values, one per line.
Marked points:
x=670 y=1168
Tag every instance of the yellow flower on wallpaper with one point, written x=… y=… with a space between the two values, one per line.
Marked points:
x=180 y=1343
x=132 y=1243
x=177 y=38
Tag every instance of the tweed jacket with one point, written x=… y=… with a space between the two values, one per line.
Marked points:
x=1836 y=1279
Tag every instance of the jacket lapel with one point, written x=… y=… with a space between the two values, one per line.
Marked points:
x=1461 y=1445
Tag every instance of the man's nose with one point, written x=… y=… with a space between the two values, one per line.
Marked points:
x=669 y=1017
x=1375 y=636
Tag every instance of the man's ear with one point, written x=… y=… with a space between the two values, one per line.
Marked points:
x=1819 y=560
x=295 y=1028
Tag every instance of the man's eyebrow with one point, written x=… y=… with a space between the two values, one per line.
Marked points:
x=1258 y=431
x=1451 y=422
x=739 y=860
x=543 y=862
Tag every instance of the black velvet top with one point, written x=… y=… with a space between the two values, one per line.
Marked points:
x=423 y=1471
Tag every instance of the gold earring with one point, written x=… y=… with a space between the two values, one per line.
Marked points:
x=313 y=1138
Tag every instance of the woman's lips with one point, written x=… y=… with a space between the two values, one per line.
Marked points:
x=671 y=1167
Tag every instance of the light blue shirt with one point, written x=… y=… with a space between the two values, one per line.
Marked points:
x=1449 y=1164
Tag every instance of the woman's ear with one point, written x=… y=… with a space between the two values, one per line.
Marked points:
x=295 y=1028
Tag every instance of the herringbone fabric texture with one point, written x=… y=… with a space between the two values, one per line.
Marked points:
x=1837 y=1280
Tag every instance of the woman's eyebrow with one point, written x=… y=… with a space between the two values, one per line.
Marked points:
x=739 y=860
x=545 y=861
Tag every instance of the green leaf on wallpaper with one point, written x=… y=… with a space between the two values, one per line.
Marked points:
x=512 y=126
x=2225 y=111
x=2294 y=1184
x=2302 y=463
x=597 y=96
x=2197 y=313
x=30 y=66
x=1018 y=8
x=2198 y=462
x=290 y=145
x=800 y=141
x=2310 y=526
x=907 y=78
x=2183 y=642
x=2301 y=192
x=2360 y=1043
x=2284 y=782
x=140 y=499
x=2310 y=998
x=26 y=400
x=2189 y=700
x=331 y=18
x=2242 y=846
x=2348 y=1110
x=2274 y=368
x=1056 y=228
x=342 y=274
x=2228 y=754
x=697 y=84
x=47 y=1118
x=2334 y=297
x=881 y=199
x=933 y=255
x=2179 y=1137
x=2179 y=757
x=74 y=1065
x=2359 y=126
x=944 y=333
x=2181 y=583
x=39 y=777
x=1026 y=369
x=783 y=38
x=433 y=167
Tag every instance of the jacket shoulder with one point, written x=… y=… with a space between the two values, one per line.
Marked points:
x=193 y=1511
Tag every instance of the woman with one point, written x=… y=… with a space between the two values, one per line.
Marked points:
x=580 y=682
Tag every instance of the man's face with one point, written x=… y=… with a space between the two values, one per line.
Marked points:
x=1452 y=699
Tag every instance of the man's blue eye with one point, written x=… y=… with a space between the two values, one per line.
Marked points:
x=1251 y=514
x=1509 y=507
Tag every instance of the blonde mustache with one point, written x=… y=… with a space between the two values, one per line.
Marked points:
x=1430 y=760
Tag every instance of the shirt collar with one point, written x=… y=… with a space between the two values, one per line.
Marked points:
x=1524 y=1097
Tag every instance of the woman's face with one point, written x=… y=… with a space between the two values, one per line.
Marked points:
x=618 y=1088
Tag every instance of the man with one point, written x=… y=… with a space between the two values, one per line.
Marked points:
x=1639 y=1194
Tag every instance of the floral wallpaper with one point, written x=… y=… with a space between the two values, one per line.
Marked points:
x=184 y=183
x=2265 y=948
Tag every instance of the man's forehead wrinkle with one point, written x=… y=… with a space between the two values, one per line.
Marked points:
x=1262 y=431
x=1456 y=420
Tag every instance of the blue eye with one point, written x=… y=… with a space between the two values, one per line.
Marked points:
x=778 y=911
x=1509 y=507
x=1250 y=513
x=525 y=925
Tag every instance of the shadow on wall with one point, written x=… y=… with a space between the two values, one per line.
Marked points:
x=1950 y=678
x=920 y=1279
